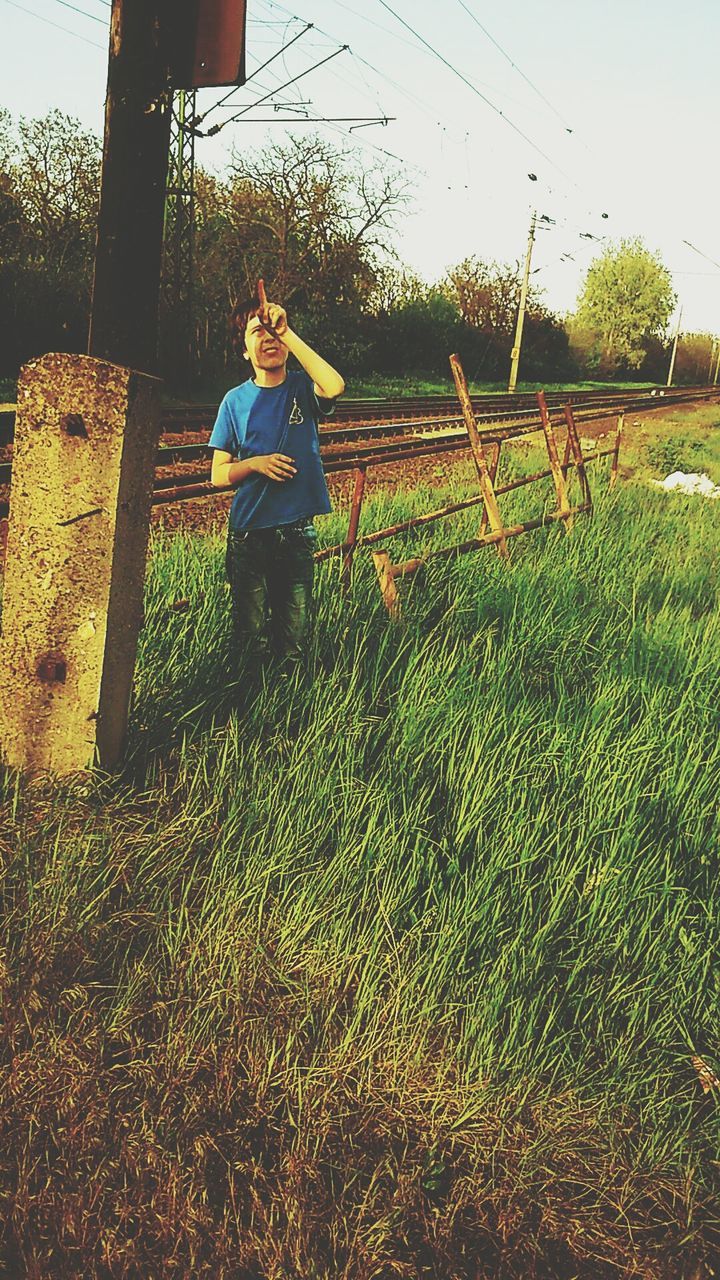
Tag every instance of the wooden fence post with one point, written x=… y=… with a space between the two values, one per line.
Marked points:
x=486 y=484
x=353 y=525
x=616 y=450
x=573 y=442
x=555 y=468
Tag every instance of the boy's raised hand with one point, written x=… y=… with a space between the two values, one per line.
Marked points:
x=272 y=316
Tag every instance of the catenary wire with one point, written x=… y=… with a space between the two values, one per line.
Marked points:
x=257 y=70
x=92 y=16
x=58 y=26
x=514 y=65
x=474 y=89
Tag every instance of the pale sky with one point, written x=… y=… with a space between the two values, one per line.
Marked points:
x=634 y=80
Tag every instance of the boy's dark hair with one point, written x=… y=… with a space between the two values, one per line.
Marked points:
x=238 y=320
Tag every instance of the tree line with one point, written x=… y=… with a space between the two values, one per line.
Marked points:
x=318 y=225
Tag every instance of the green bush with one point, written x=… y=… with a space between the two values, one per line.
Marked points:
x=677 y=454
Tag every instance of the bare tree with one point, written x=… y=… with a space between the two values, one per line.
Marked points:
x=309 y=216
x=56 y=177
x=488 y=294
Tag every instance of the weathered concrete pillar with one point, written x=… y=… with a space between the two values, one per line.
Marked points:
x=86 y=434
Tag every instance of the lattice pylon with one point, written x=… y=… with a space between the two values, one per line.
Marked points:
x=180 y=226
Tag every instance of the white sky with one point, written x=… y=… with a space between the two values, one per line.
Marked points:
x=635 y=80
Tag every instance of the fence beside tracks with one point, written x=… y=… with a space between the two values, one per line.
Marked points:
x=473 y=430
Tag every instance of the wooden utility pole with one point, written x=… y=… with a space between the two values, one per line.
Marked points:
x=126 y=289
x=515 y=354
x=674 y=350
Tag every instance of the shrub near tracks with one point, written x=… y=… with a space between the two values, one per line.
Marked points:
x=398 y=973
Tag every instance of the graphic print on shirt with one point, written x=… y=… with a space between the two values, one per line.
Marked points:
x=296 y=417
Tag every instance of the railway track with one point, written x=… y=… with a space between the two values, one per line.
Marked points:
x=182 y=418
x=397 y=438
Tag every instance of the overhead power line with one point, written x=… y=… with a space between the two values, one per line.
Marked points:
x=702 y=255
x=514 y=65
x=92 y=16
x=256 y=72
x=57 y=25
x=359 y=121
x=217 y=127
x=472 y=87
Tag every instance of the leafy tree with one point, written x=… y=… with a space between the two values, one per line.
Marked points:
x=693 y=360
x=49 y=182
x=394 y=287
x=418 y=335
x=487 y=295
x=627 y=299
x=313 y=220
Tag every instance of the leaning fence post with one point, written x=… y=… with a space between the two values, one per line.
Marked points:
x=555 y=468
x=573 y=442
x=486 y=484
x=616 y=450
x=353 y=525
x=493 y=469
x=383 y=568
x=568 y=446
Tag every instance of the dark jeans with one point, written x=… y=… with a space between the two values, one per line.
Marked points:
x=271 y=577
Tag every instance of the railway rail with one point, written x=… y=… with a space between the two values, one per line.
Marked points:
x=366 y=409
x=345 y=447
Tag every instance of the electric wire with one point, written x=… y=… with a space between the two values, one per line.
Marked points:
x=92 y=16
x=474 y=89
x=702 y=255
x=58 y=26
x=257 y=70
x=216 y=128
x=514 y=65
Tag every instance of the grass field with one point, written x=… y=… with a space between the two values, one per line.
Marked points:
x=397 y=971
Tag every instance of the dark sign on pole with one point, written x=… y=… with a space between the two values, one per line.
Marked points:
x=209 y=44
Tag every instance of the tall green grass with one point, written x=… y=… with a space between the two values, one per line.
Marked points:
x=396 y=967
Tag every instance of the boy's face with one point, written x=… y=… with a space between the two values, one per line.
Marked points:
x=263 y=350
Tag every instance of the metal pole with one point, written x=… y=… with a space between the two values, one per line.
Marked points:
x=126 y=288
x=515 y=354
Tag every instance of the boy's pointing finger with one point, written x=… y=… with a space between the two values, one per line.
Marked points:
x=262 y=299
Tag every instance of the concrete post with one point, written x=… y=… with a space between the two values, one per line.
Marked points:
x=86 y=433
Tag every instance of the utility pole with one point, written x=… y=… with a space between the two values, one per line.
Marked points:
x=126 y=288
x=717 y=362
x=515 y=354
x=674 y=350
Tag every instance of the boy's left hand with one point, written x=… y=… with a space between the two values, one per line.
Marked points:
x=272 y=315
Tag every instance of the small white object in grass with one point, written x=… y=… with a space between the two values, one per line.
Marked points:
x=693 y=483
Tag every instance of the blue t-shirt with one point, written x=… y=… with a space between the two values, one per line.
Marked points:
x=256 y=420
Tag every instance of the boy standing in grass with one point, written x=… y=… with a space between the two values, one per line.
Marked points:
x=265 y=442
